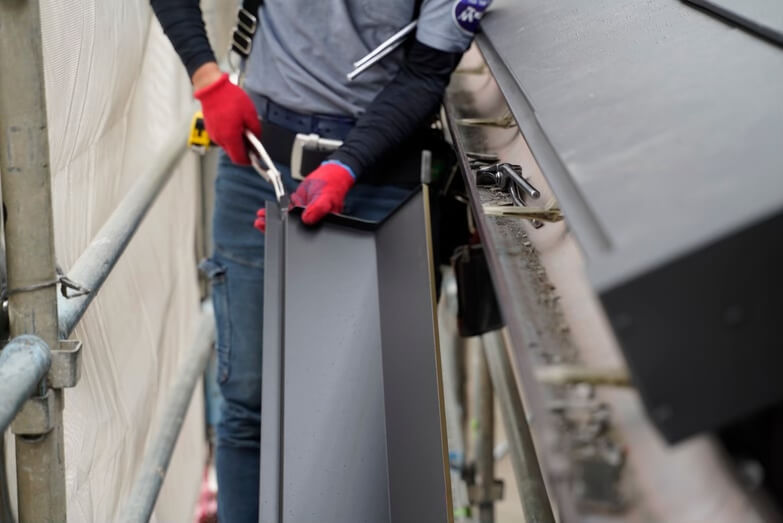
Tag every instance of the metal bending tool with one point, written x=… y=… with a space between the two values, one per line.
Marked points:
x=382 y=51
x=264 y=165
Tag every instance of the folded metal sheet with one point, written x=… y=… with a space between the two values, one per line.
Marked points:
x=658 y=127
x=659 y=150
x=352 y=425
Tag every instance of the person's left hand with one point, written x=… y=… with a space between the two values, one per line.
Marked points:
x=322 y=192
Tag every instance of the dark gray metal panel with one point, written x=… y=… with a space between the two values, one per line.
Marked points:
x=329 y=392
x=703 y=336
x=417 y=451
x=667 y=122
x=334 y=449
x=659 y=128
x=325 y=376
x=764 y=17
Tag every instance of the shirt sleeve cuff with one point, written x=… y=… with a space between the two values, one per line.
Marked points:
x=454 y=44
x=343 y=165
x=199 y=59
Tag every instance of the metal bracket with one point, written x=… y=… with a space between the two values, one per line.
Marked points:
x=66 y=365
x=552 y=214
x=35 y=417
x=504 y=122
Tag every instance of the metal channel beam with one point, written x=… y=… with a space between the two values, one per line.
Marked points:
x=352 y=426
x=149 y=479
x=29 y=235
x=98 y=259
x=419 y=480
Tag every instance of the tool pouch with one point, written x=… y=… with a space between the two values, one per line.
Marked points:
x=478 y=310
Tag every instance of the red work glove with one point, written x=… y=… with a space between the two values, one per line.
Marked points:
x=228 y=111
x=260 y=222
x=322 y=192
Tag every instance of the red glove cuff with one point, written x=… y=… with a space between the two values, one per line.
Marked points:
x=323 y=192
x=205 y=92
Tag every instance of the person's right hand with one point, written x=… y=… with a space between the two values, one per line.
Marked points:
x=228 y=111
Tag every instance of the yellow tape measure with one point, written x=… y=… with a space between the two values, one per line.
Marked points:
x=198 y=140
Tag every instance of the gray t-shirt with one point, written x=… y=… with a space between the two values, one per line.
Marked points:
x=303 y=49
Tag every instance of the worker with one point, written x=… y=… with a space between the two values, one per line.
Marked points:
x=295 y=82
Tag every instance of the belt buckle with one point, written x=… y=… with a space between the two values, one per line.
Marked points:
x=247 y=21
x=309 y=142
x=242 y=36
x=241 y=43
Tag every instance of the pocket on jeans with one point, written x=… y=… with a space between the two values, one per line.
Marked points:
x=217 y=275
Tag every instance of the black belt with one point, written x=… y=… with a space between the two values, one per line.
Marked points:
x=279 y=143
x=399 y=168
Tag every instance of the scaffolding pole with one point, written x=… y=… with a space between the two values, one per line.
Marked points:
x=524 y=458
x=29 y=237
x=484 y=434
x=99 y=258
x=23 y=364
x=149 y=480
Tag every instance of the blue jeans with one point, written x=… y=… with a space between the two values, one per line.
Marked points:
x=236 y=271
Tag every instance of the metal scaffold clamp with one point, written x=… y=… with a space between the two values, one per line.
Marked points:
x=36 y=416
x=65 y=371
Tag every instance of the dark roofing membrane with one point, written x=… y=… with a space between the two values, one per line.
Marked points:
x=659 y=126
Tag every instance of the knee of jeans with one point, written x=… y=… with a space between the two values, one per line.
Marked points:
x=239 y=425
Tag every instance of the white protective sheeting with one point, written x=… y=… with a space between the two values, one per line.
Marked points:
x=115 y=91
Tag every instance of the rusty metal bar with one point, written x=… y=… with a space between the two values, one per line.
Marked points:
x=29 y=236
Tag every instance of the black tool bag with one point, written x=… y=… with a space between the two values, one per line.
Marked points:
x=478 y=310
